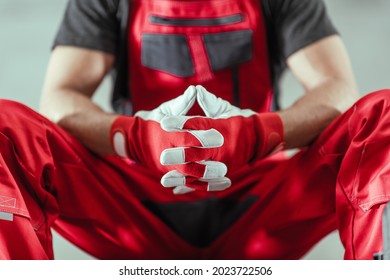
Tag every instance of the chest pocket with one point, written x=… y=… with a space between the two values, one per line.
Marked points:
x=168 y=53
x=228 y=49
x=196 y=53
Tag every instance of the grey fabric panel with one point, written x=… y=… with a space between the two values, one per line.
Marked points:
x=168 y=53
x=228 y=49
x=196 y=22
x=386 y=232
x=385 y=254
x=6 y=216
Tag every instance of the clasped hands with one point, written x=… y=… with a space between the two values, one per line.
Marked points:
x=196 y=152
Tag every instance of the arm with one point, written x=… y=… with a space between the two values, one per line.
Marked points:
x=72 y=77
x=324 y=71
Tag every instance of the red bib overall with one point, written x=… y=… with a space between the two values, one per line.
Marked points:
x=218 y=44
x=275 y=208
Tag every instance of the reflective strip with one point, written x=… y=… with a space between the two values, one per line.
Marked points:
x=6 y=216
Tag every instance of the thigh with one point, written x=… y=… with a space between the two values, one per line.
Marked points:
x=276 y=209
x=294 y=208
x=19 y=241
x=113 y=208
x=104 y=210
x=343 y=172
x=98 y=203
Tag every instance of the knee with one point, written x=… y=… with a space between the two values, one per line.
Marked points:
x=14 y=114
x=377 y=99
x=370 y=115
x=9 y=107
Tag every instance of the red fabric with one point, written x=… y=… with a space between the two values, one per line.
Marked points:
x=270 y=131
x=339 y=182
x=149 y=87
x=19 y=241
x=255 y=137
x=144 y=140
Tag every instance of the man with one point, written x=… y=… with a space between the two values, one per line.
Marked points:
x=225 y=195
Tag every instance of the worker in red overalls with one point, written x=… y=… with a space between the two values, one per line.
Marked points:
x=187 y=166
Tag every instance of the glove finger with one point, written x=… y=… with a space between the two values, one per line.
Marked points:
x=212 y=186
x=175 y=107
x=215 y=107
x=182 y=190
x=181 y=104
x=175 y=179
x=182 y=155
x=210 y=138
x=180 y=123
x=176 y=123
x=206 y=169
x=207 y=137
x=211 y=105
x=172 y=179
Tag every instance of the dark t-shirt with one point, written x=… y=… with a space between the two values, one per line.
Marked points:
x=102 y=25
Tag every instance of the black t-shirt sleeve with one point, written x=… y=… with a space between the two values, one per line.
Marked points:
x=298 y=23
x=90 y=24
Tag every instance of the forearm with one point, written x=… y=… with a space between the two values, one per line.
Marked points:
x=72 y=77
x=82 y=118
x=312 y=113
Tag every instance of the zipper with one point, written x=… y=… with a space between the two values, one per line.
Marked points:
x=161 y=20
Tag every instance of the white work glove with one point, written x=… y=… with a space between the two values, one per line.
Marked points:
x=141 y=139
x=248 y=136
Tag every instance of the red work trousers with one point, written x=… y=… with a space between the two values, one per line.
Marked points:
x=107 y=206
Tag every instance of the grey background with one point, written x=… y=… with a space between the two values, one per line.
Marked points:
x=27 y=28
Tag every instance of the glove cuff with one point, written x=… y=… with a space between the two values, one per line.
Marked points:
x=272 y=133
x=119 y=135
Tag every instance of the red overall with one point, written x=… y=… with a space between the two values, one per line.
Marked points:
x=218 y=44
x=275 y=209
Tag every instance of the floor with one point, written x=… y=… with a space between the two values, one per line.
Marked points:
x=27 y=29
